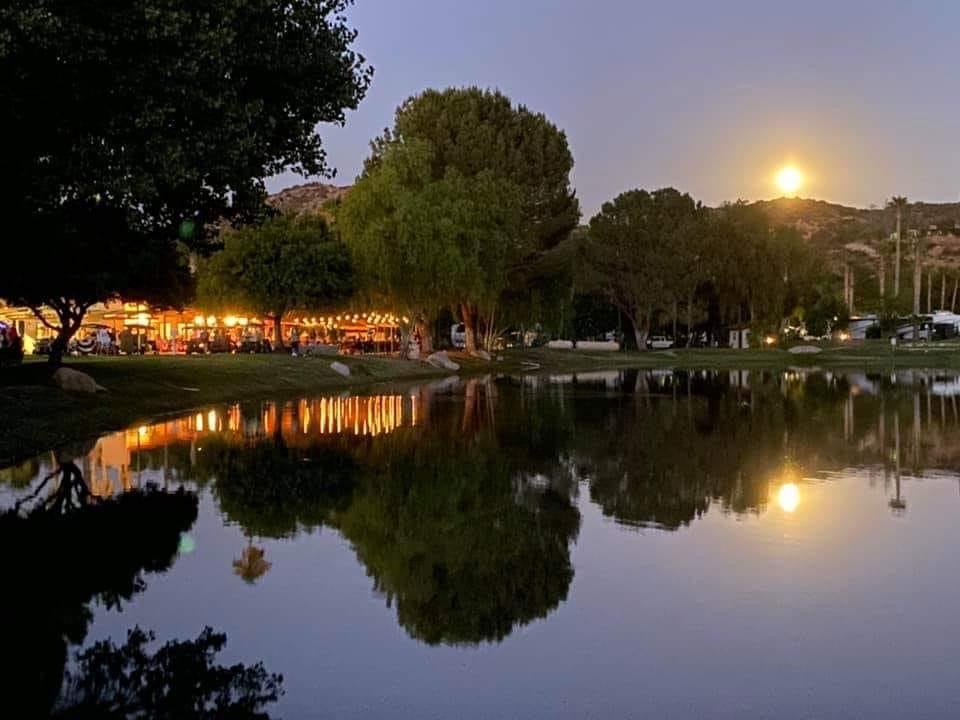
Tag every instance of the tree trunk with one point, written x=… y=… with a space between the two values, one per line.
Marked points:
x=641 y=331
x=953 y=300
x=468 y=314
x=852 y=290
x=929 y=291
x=425 y=327
x=278 y=330
x=943 y=290
x=690 y=320
x=71 y=317
x=674 y=321
x=883 y=278
x=896 y=266
x=917 y=282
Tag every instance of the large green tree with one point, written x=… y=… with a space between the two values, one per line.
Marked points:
x=478 y=136
x=288 y=262
x=135 y=123
x=422 y=243
x=633 y=244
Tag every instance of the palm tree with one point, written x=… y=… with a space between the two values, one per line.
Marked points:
x=898 y=203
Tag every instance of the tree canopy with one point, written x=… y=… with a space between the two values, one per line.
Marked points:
x=288 y=262
x=140 y=123
x=460 y=193
x=631 y=247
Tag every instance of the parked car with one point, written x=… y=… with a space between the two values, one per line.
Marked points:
x=41 y=346
x=659 y=342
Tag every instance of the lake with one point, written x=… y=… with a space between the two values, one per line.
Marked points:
x=624 y=544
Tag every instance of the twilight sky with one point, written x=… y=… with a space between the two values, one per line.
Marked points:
x=710 y=97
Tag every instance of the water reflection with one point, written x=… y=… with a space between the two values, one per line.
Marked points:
x=460 y=499
x=51 y=580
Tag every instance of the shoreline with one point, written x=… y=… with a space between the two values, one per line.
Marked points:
x=142 y=389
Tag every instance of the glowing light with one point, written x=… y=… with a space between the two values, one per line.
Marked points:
x=211 y=320
x=769 y=339
x=844 y=336
x=789 y=180
x=788 y=497
x=230 y=321
x=199 y=320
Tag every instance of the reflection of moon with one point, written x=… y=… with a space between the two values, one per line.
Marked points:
x=788 y=497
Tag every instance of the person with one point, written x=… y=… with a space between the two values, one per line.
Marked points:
x=103 y=339
x=14 y=341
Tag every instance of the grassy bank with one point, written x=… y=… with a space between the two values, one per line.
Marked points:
x=39 y=416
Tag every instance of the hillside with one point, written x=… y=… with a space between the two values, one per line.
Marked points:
x=847 y=231
x=307 y=198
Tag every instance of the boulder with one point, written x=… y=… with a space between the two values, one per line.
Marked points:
x=441 y=360
x=340 y=368
x=560 y=344
x=805 y=349
x=481 y=354
x=76 y=381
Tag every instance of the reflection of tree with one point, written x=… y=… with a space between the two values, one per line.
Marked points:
x=57 y=564
x=271 y=490
x=464 y=548
x=252 y=565
x=179 y=680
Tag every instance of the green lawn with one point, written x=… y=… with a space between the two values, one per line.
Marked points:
x=39 y=416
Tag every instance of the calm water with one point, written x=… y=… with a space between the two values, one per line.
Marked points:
x=685 y=545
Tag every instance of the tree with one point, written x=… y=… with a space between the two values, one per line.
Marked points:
x=288 y=262
x=82 y=254
x=136 y=124
x=630 y=248
x=478 y=135
x=180 y=679
x=899 y=204
x=423 y=243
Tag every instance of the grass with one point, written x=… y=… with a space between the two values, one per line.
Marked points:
x=39 y=416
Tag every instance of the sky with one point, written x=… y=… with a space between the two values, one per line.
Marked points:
x=708 y=97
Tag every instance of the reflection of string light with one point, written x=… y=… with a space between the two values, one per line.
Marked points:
x=788 y=497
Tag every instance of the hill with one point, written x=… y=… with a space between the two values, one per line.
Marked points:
x=308 y=198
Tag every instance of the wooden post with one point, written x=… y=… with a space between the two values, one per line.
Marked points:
x=943 y=291
x=929 y=291
x=953 y=300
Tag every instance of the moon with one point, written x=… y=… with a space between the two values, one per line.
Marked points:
x=789 y=179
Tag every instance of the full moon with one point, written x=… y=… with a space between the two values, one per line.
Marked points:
x=789 y=180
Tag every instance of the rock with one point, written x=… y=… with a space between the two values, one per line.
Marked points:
x=805 y=349
x=440 y=360
x=76 y=381
x=605 y=345
x=560 y=344
x=482 y=354
x=340 y=368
